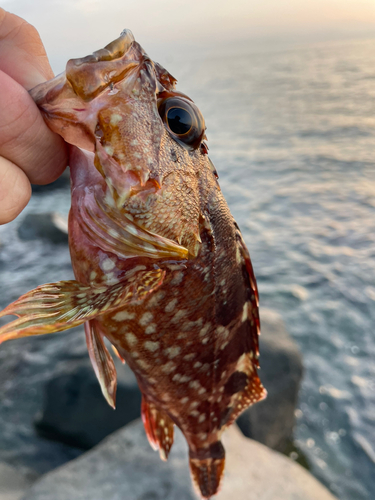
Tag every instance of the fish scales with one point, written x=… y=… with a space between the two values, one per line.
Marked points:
x=161 y=268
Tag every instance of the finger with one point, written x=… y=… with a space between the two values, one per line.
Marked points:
x=15 y=190
x=25 y=139
x=22 y=54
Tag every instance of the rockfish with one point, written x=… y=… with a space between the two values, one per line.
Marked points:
x=161 y=268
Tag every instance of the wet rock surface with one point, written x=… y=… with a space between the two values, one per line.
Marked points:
x=47 y=226
x=13 y=483
x=125 y=467
x=76 y=413
x=271 y=421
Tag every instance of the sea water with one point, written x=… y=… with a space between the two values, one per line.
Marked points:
x=291 y=132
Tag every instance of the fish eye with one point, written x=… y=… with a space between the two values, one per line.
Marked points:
x=179 y=120
x=183 y=120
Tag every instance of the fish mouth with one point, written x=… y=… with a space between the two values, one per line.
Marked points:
x=86 y=104
x=85 y=82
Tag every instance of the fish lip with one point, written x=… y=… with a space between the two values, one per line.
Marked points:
x=40 y=91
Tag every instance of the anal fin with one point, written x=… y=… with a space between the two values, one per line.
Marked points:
x=102 y=362
x=159 y=428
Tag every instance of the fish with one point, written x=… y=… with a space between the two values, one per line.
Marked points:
x=161 y=268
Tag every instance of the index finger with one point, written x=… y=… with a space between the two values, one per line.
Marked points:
x=25 y=139
x=22 y=54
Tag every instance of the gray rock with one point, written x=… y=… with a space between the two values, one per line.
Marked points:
x=75 y=411
x=13 y=483
x=271 y=421
x=125 y=467
x=49 y=226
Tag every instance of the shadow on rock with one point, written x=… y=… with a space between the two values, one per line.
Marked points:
x=271 y=421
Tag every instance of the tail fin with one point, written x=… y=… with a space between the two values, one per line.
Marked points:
x=207 y=469
x=159 y=428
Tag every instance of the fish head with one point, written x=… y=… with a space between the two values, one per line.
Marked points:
x=146 y=136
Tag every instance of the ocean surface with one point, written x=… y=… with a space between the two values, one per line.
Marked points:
x=291 y=132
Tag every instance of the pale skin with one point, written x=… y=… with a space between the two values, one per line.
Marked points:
x=29 y=151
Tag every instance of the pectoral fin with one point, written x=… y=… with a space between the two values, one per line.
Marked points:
x=55 y=307
x=113 y=232
x=102 y=362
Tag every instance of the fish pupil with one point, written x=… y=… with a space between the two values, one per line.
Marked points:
x=179 y=120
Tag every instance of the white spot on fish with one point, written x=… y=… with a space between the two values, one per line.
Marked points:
x=172 y=352
x=115 y=119
x=146 y=318
x=107 y=265
x=143 y=364
x=194 y=384
x=151 y=346
x=150 y=329
x=171 y=305
x=131 y=339
x=238 y=255
x=222 y=331
x=204 y=330
x=108 y=150
x=189 y=357
x=245 y=311
x=179 y=315
x=123 y=315
x=168 y=367
x=177 y=278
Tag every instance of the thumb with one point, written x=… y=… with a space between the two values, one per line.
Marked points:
x=22 y=54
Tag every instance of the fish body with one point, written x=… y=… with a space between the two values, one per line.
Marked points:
x=161 y=268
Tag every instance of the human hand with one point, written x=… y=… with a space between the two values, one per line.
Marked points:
x=29 y=150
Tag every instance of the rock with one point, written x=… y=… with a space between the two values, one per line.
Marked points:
x=125 y=467
x=75 y=411
x=49 y=226
x=62 y=182
x=13 y=483
x=271 y=421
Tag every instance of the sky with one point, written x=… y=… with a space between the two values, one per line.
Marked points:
x=77 y=27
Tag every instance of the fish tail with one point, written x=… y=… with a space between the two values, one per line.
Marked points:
x=159 y=428
x=207 y=469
